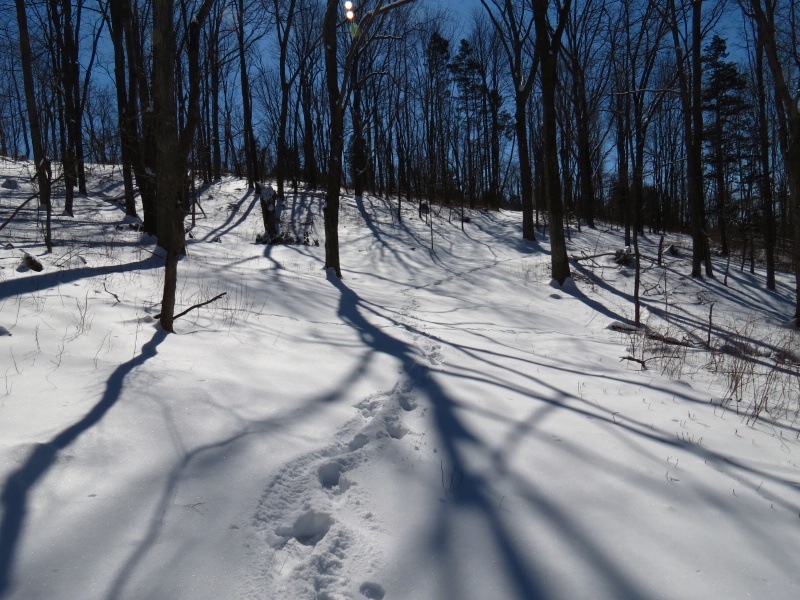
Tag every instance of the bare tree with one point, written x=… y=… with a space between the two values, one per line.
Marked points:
x=765 y=180
x=43 y=172
x=514 y=24
x=688 y=63
x=588 y=67
x=778 y=37
x=244 y=41
x=136 y=118
x=338 y=94
x=548 y=45
x=173 y=146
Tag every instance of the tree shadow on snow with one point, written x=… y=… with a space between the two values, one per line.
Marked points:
x=51 y=279
x=17 y=488
x=474 y=493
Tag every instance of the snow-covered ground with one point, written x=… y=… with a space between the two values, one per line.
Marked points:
x=439 y=424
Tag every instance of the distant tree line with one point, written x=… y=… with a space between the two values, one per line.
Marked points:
x=659 y=115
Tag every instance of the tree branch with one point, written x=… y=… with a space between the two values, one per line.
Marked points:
x=191 y=308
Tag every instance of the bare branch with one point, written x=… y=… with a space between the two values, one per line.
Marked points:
x=191 y=308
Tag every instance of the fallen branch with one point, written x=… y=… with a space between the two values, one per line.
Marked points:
x=636 y=360
x=651 y=335
x=112 y=293
x=191 y=308
x=669 y=340
x=643 y=361
x=591 y=256
x=585 y=256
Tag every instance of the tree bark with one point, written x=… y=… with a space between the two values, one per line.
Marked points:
x=692 y=114
x=516 y=36
x=765 y=180
x=127 y=141
x=42 y=163
x=547 y=47
x=173 y=149
x=789 y=113
x=329 y=42
x=250 y=150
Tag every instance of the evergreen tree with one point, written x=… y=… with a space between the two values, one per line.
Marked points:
x=724 y=100
x=437 y=97
x=465 y=71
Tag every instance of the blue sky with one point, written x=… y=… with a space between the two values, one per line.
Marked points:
x=462 y=7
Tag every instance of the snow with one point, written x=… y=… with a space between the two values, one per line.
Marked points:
x=438 y=424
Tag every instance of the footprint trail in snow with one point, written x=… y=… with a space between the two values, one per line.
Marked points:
x=315 y=532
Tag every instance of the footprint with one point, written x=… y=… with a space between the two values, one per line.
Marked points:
x=329 y=475
x=395 y=429
x=371 y=590
x=369 y=406
x=406 y=403
x=331 y=478
x=308 y=529
x=359 y=441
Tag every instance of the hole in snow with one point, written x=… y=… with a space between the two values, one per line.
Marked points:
x=406 y=403
x=395 y=429
x=373 y=591
x=357 y=442
x=329 y=474
x=309 y=528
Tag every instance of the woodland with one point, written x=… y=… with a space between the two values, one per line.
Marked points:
x=494 y=299
x=659 y=116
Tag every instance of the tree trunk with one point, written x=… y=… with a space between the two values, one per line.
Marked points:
x=551 y=177
x=692 y=114
x=358 y=158
x=169 y=176
x=547 y=46
x=526 y=171
x=765 y=181
x=309 y=159
x=127 y=141
x=42 y=163
x=250 y=151
x=144 y=160
x=173 y=150
x=336 y=134
x=585 y=170
x=216 y=152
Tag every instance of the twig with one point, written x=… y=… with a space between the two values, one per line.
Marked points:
x=191 y=308
x=173 y=502
x=641 y=361
x=110 y=292
x=710 y=324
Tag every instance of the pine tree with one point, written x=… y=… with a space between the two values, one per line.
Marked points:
x=437 y=96
x=465 y=71
x=724 y=99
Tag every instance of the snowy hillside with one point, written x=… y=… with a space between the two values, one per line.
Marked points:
x=437 y=425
